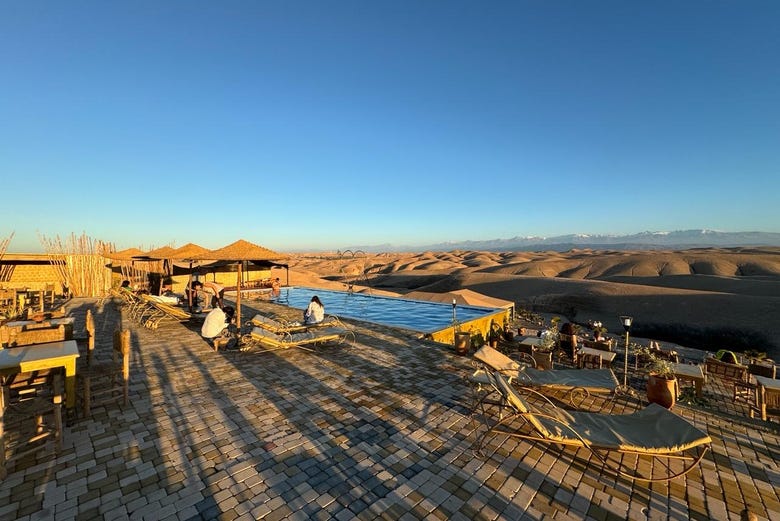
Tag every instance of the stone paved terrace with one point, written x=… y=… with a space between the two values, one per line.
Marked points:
x=374 y=430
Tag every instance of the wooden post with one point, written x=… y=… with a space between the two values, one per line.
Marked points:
x=238 y=299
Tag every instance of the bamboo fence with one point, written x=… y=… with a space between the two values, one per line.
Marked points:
x=5 y=270
x=80 y=264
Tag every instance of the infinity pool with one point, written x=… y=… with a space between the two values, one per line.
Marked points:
x=417 y=315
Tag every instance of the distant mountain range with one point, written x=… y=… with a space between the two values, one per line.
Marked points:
x=680 y=239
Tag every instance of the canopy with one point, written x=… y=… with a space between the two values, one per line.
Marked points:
x=238 y=252
x=125 y=255
x=156 y=254
x=187 y=252
x=462 y=297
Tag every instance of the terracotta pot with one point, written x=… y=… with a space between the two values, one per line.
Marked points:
x=462 y=343
x=662 y=391
x=493 y=343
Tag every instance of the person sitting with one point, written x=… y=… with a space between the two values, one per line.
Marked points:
x=216 y=328
x=315 y=312
x=126 y=286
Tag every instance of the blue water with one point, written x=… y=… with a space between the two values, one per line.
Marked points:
x=417 y=315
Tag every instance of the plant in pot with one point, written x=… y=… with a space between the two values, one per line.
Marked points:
x=462 y=340
x=661 y=382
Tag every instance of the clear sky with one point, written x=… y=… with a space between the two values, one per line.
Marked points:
x=323 y=125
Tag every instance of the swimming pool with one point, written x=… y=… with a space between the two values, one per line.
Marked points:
x=417 y=315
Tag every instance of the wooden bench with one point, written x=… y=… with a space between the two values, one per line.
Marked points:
x=605 y=345
x=731 y=372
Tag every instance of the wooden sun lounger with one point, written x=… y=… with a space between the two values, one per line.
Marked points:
x=652 y=444
x=275 y=325
x=304 y=339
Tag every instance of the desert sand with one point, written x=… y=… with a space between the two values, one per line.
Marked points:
x=701 y=298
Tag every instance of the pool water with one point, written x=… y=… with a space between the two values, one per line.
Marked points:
x=417 y=315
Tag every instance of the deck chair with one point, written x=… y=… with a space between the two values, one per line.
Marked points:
x=576 y=384
x=275 y=325
x=269 y=341
x=158 y=312
x=671 y=446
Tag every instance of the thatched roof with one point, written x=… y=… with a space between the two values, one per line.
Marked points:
x=156 y=254
x=125 y=255
x=241 y=250
x=188 y=251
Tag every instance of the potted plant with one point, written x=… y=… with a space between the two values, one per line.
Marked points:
x=462 y=340
x=661 y=382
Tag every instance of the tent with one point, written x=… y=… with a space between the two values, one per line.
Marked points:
x=237 y=253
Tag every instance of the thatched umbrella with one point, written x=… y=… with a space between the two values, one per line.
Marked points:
x=125 y=255
x=188 y=253
x=125 y=259
x=239 y=252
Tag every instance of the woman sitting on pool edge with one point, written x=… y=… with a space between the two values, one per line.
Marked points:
x=315 y=312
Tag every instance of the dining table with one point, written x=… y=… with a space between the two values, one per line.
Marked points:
x=38 y=357
x=607 y=357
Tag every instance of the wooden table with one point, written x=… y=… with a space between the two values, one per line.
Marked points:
x=690 y=372
x=768 y=393
x=44 y=356
x=606 y=356
x=530 y=341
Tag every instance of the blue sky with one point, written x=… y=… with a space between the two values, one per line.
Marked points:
x=308 y=125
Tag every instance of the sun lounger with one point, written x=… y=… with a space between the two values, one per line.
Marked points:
x=576 y=384
x=303 y=339
x=275 y=325
x=652 y=444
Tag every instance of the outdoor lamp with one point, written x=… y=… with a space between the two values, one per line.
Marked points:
x=626 y=321
x=454 y=305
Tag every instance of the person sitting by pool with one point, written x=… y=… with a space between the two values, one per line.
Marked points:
x=315 y=312
x=216 y=328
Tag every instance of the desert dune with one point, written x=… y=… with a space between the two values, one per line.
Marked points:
x=705 y=298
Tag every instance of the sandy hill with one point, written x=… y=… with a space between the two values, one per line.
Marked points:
x=708 y=298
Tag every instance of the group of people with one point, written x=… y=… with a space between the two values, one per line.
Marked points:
x=220 y=329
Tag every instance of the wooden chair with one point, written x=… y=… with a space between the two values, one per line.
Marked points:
x=102 y=383
x=29 y=423
x=587 y=361
x=605 y=345
x=49 y=293
x=37 y=335
x=730 y=372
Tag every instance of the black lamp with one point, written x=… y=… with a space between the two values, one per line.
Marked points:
x=626 y=321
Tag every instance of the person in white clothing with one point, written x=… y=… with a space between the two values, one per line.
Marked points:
x=315 y=312
x=216 y=327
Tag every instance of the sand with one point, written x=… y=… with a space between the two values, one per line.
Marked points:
x=705 y=298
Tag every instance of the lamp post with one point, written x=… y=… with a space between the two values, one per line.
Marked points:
x=626 y=321
x=454 y=305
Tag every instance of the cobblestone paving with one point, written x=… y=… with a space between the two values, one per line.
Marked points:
x=378 y=429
